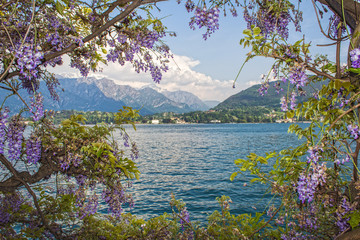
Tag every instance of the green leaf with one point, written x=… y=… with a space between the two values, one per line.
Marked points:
x=59 y=7
x=255 y=180
x=247 y=32
x=354 y=70
x=233 y=175
x=256 y=31
x=354 y=219
x=290 y=114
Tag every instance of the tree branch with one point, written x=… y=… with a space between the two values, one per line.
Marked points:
x=103 y=28
x=350 y=13
x=47 y=168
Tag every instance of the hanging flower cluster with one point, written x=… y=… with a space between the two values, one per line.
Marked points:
x=308 y=183
x=355 y=58
x=28 y=60
x=208 y=18
x=36 y=107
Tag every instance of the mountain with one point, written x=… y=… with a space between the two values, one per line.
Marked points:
x=211 y=103
x=88 y=94
x=147 y=98
x=250 y=97
x=188 y=98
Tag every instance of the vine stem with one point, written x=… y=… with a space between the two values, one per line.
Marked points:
x=343 y=114
x=267 y=221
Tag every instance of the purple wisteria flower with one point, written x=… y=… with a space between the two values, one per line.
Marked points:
x=3 y=121
x=343 y=161
x=145 y=39
x=71 y=160
x=208 y=18
x=309 y=217
x=277 y=87
x=15 y=138
x=335 y=26
x=270 y=22
x=28 y=60
x=184 y=218
x=293 y=100
x=355 y=58
x=354 y=131
x=9 y=203
x=263 y=88
x=89 y=208
x=314 y=154
x=307 y=184
x=284 y=104
x=342 y=221
x=298 y=76
x=115 y=197
x=36 y=107
x=33 y=149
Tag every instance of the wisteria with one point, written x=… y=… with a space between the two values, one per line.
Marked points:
x=263 y=88
x=307 y=183
x=343 y=161
x=115 y=198
x=293 y=100
x=144 y=39
x=28 y=60
x=308 y=219
x=336 y=26
x=315 y=154
x=89 y=208
x=15 y=137
x=33 y=149
x=355 y=58
x=277 y=87
x=208 y=18
x=52 y=85
x=71 y=160
x=4 y=114
x=297 y=76
x=342 y=220
x=284 y=104
x=269 y=22
x=184 y=218
x=36 y=107
x=134 y=151
x=10 y=205
x=342 y=97
x=354 y=131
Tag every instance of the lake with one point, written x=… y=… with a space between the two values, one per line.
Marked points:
x=195 y=162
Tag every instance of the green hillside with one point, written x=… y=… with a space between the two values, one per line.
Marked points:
x=251 y=98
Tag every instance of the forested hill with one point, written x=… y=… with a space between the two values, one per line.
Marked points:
x=250 y=97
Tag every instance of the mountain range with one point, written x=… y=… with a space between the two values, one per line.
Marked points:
x=250 y=97
x=89 y=94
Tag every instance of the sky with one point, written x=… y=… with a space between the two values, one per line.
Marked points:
x=206 y=68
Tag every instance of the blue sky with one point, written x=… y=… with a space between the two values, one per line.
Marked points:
x=208 y=68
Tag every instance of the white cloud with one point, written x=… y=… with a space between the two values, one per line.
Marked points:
x=180 y=76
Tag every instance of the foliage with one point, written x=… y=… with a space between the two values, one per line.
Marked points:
x=51 y=175
x=49 y=178
x=240 y=115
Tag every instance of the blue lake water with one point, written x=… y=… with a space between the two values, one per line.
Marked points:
x=195 y=163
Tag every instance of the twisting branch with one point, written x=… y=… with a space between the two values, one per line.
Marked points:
x=48 y=167
x=101 y=29
x=15 y=173
x=343 y=114
x=349 y=15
